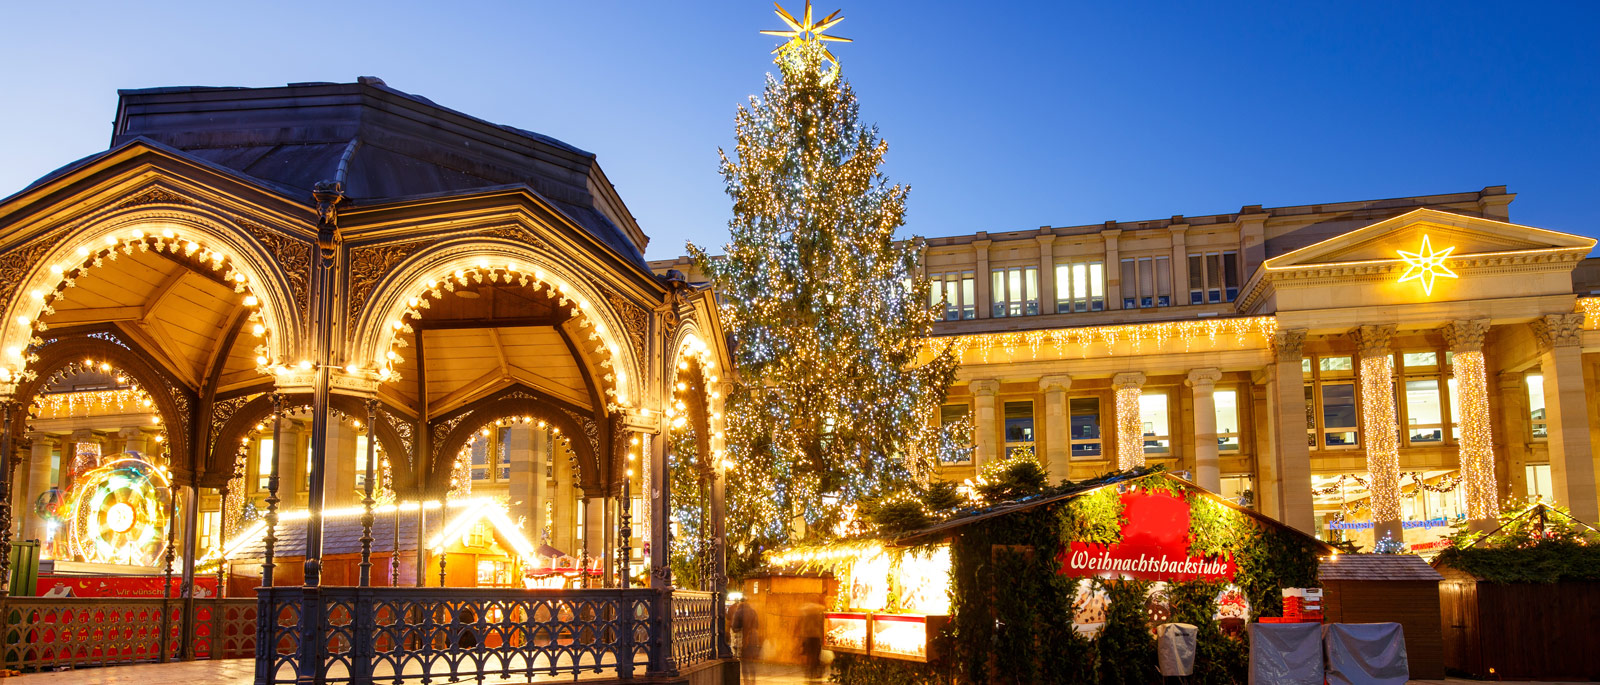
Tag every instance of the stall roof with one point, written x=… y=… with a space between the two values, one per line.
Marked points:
x=949 y=527
x=1377 y=567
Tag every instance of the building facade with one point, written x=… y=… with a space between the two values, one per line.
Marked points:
x=1358 y=369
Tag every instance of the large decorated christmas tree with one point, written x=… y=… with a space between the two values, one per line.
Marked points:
x=835 y=395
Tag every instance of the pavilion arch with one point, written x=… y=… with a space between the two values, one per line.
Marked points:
x=172 y=400
x=82 y=248
x=376 y=335
x=688 y=349
x=224 y=450
x=588 y=438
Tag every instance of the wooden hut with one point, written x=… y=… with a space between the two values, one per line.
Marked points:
x=1382 y=588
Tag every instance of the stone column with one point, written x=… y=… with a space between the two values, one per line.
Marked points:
x=523 y=499
x=1252 y=225
x=1204 y=383
x=1379 y=428
x=1513 y=434
x=340 y=480
x=1566 y=412
x=593 y=526
x=565 y=535
x=985 y=298
x=1113 y=267
x=1286 y=393
x=1047 y=271
x=1129 y=431
x=1465 y=339
x=1057 y=433
x=38 y=482
x=134 y=440
x=985 y=428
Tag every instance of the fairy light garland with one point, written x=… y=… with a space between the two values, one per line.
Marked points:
x=21 y=345
x=1379 y=431
x=599 y=340
x=1477 y=440
x=1130 y=430
x=1086 y=339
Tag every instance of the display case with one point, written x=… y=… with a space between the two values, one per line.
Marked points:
x=847 y=632
x=912 y=637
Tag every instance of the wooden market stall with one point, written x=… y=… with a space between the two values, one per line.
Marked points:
x=1383 y=588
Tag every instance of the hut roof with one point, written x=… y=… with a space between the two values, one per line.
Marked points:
x=1376 y=567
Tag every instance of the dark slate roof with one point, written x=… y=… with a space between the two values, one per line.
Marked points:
x=1376 y=567
x=342 y=535
x=385 y=144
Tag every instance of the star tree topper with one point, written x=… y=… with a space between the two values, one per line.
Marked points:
x=1426 y=265
x=807 y=32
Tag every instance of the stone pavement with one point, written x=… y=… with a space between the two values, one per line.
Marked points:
x=240 y=672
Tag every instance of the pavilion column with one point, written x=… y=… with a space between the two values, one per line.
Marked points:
x=719 y=534
x=1287 y=419
x=525 y=500
x=1129 y=431
x=660 y=514
x=1204 y=383
x=1057 y=434
x=38 y=482
x=191 y=542
x=1572 y=473
x=134 y=439
x=1379 y=430
x=985 y=424
x=1465 y=339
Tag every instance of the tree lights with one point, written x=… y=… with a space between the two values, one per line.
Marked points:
x=833 y=400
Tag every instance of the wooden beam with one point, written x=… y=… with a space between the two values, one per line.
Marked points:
x=493 y=380
x=499 y=352
x=67 y=317
x=233 y=323
x=140 y=335
x=163 y=291
x=534 y=380
x=584 y=369
x=508 y=322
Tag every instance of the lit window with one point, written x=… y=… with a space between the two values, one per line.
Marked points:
x=1080 y=287
x=1536 y=415
x=1239 y=489
x=955 y=414
x=210 y=529
x=491 y=460
x=361 y=461
x=1019 y=428
x=1015 y=291
x=1085 y=427
x=263 y=462
x=1227 y=411
x=1213 y=277
x=956 y=292
x=1455 y=409
x=1335 y=364
x=1339 y=414
x=1146 y=282
x=1153 y=419
x=1419 y=359
x=1424 y=416
x=1539 y=487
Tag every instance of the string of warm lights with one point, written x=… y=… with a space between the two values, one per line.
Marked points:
x=1590 y=306
x=1089 y=340
x=1477 y=440
x=60 y=405
x=601 y=341
x=1380 y=433
x=1129 y=429
x=21 y=342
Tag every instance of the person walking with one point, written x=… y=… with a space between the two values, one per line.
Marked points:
x=746 y=628
x=810 y=633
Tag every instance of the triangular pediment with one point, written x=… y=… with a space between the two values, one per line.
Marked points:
x=1464 y=235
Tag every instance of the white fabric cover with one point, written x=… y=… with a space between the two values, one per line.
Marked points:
x=1366 y=653
x=1175 y=644
x=1286 y=654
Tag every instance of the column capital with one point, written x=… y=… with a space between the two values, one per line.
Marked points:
x=86 y=435
x=1046 y=240
x=43 y=439
x=1558 y=330
x=985 y=388
x=1128 y=379
x=1055 y=382
x=1372 y=341
x=1203 y=378
x=982 y=243
x=1465 y=335
x=1289 y=343
x=130 y=432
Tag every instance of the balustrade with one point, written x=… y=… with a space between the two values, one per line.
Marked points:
x=44 y=633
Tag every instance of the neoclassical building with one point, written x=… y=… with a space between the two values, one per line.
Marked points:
x=298 y=304
x=1347 y=367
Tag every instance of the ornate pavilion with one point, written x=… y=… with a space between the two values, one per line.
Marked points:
x=392 y=380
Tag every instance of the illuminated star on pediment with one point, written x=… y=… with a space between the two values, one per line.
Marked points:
x=1426 y=265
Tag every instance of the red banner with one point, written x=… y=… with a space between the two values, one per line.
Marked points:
x=1154 y=546
x=119 y=586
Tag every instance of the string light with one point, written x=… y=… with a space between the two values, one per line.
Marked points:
x=1477 y=440
x=1086 y=338
x=1130 y=430
x=1379 y=429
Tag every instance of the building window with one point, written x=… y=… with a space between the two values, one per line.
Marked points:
x=1213 y=277
x=1331 y=419
x=956 y=415
x=1424 y=415
x=1085 y=427
x=957 y=292
x=1015 y=291
x=361 y=462
x=1338 y=402
x=1153 y=417
x=1539 y=487
x=1240 y=490
x=491 y=460
x=210 y=529
x=1146 y=282
x=1536 y=416
x=1080 y=287
x=1019 y=429
x=1227 y=412
x=263 y=463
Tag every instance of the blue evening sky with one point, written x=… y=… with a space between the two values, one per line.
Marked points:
x=1001 y=116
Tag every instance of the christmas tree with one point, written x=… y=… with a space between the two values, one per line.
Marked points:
x=836 y=389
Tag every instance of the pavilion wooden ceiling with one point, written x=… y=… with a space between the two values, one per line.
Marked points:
x=177 y=314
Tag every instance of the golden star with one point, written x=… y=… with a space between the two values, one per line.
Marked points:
x=1426 y=265
x=805 y=31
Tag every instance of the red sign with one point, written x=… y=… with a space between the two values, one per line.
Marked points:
x=119 y=586
x=1154 y=546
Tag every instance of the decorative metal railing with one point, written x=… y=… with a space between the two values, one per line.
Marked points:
x=42 y=633
x=388 y=634
x=694 y=627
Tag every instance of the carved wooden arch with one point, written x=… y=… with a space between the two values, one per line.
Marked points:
x=697 y=400
x=219 y=463
x=173 y=400
x=453 y=430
